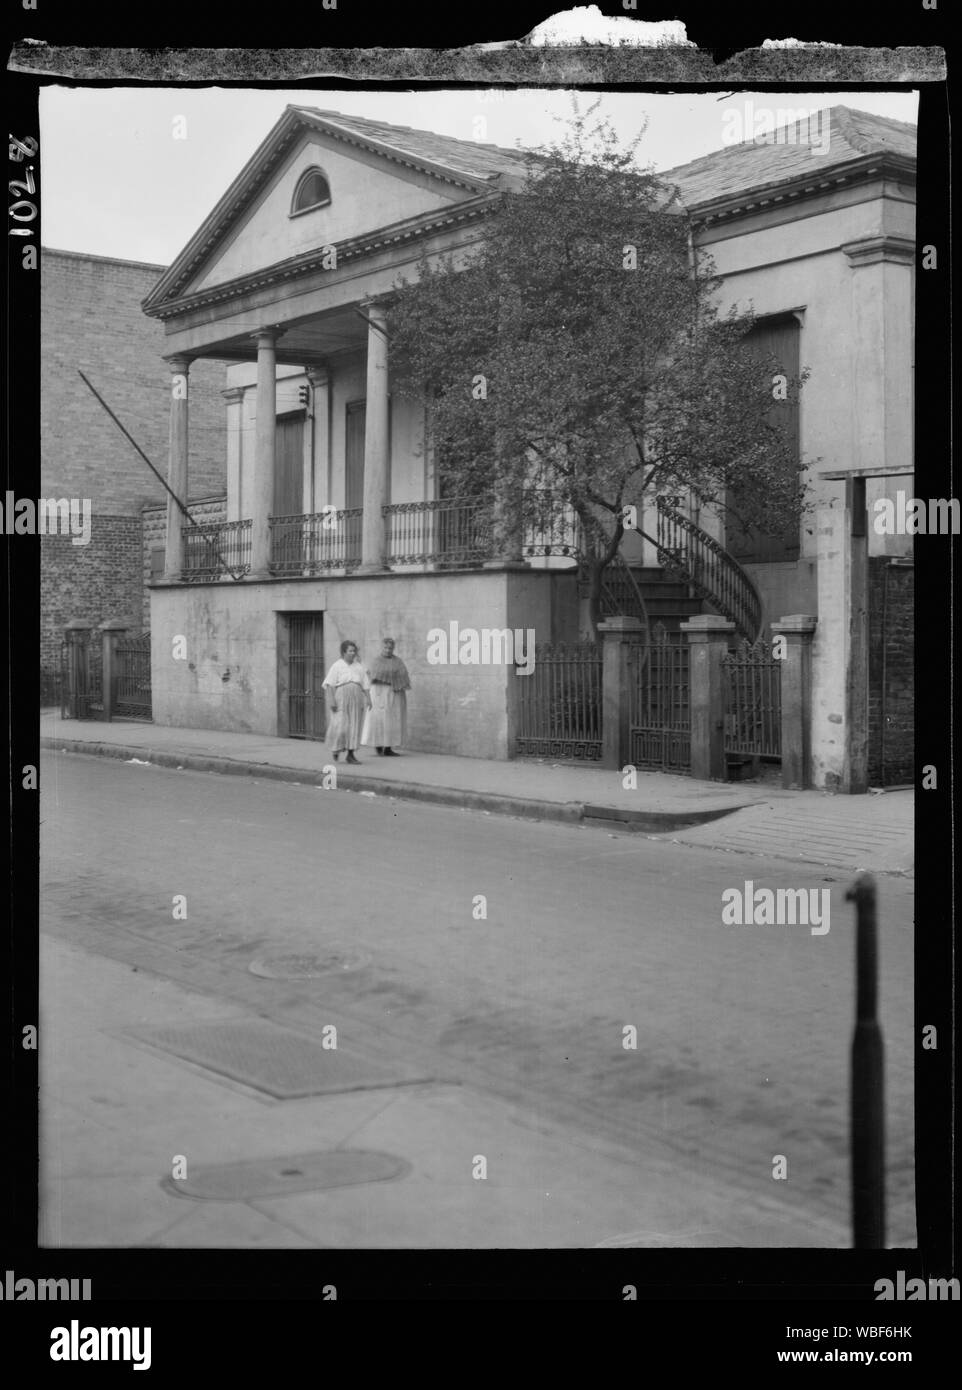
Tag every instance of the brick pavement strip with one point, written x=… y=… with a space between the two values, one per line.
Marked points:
x=873 y=833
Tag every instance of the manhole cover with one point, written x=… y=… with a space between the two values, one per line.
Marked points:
x=276 y=1177
x=272 y=1059
x=304 y=965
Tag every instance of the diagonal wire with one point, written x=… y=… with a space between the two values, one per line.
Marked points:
x=163 y=481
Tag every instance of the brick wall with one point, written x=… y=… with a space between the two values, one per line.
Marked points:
x=891 y=673
x=91 y=319
x=154 y=536
x=97 y=581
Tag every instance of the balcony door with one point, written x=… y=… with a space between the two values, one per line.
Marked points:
x=354 y=475
x=289 y=465
x=288 y=536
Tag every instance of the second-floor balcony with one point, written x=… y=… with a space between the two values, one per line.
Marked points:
x=452 y=534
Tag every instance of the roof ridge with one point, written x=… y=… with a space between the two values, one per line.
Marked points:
x=849 y=127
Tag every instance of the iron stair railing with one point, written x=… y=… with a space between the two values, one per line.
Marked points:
x=620 y=594
x=717 y=577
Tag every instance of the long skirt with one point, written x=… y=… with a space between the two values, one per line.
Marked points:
x=344 y=730
x=386 y=722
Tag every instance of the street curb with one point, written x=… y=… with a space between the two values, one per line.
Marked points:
x=496 y=803
x=655 y=822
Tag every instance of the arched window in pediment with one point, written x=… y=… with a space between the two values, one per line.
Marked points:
x=312 y=191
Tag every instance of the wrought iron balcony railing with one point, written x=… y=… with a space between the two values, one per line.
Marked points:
x=453 y=533
x=316 y=542
x=219 y=548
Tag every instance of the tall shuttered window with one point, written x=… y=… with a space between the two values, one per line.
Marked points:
x=776 y=337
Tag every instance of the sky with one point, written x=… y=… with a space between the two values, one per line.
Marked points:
x=133 y=172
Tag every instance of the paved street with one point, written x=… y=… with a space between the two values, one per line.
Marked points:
x=512 y=1024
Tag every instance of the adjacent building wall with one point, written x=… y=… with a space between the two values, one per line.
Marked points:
x=91 y=319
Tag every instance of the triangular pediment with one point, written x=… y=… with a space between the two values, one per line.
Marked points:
x=373 y=184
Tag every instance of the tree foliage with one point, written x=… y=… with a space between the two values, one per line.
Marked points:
x=578 y=349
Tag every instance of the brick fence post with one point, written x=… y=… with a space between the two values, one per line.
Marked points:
x=77 y=636
x=708 y=639
x=110 y=632
x=617 y=637
x=798 y=630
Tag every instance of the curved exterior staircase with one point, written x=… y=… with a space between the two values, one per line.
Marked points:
x=697 y=575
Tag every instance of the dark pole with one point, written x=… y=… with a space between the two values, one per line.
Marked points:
x=162 y=480
x=868 y=1136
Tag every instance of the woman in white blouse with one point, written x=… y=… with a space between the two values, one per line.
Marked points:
x=348 y=687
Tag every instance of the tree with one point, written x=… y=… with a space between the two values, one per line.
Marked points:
x=576 y=357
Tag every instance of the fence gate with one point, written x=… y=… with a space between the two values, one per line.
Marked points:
x=81 y=676
x=659 y=704
x=560 y=703
x=132 y=679
x=753 y=701
x=306 y=712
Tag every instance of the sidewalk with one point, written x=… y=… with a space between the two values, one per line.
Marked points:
x=389 y=1168
x=873 y=832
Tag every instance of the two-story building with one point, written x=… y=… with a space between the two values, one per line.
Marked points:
x=335 y=527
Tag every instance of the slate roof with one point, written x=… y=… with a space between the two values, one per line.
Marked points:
x=726 y=174
x=750 y=165
x=460 y=156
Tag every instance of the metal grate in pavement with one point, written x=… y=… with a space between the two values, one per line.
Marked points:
x=307 y=965
x=291 y=1173
x=284 y=1064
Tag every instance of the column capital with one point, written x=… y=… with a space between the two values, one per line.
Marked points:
x=318 y=376
x=179 y=364
x=374 y=308
x=871 y=250
x=233 y=393
x=268 y=336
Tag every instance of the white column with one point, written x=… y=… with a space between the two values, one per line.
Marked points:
x=234 y=396
x=376 y=460
x=177 y=466
x=263 y=489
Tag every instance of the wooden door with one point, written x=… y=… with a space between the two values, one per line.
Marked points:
x=287 y=543
x=354 y=475
x=289 y=466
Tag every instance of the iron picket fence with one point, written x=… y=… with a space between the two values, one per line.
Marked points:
x=659 y=702
x=560 y=703
x=132 y=681
x=753 y=701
